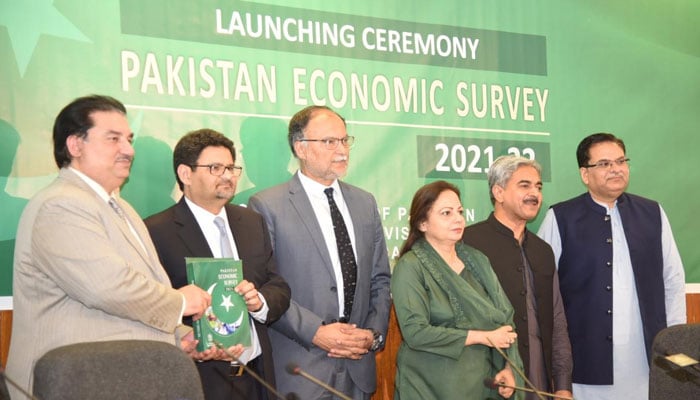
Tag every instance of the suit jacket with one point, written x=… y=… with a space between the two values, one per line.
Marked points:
x=303 y=260
x=80 y=275
x=177 y=235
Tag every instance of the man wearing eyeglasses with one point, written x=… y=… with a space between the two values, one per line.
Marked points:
x=620 y=273
x=204 y=224
x=329 y=245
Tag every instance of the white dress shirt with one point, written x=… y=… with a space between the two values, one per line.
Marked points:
x=630 y=365
x=205 y=220
x=319 y=203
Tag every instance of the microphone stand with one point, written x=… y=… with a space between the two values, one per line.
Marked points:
x=490 y=383
x=296 y=370
x=516 y=369
x=254 y=374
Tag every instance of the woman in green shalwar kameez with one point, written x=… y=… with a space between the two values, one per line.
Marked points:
x=450 y=307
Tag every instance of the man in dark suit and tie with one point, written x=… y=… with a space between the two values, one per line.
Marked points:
x=204 y=224
x=329 y=245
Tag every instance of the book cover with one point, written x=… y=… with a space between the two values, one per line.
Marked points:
x=226 y=320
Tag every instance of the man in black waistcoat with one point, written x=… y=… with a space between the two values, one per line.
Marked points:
x=621 y=276
x=526 y=269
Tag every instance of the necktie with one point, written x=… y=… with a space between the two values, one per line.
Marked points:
x=348 y=265
x=120 y=212
x=226 y=251
x=113 y=203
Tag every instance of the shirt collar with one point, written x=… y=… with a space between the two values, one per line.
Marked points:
x=94 y=185
x=316 y=189
x=605 y=205
x=200 y=214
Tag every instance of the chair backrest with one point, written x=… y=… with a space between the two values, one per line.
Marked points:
x=124 y=369
x=666 y=379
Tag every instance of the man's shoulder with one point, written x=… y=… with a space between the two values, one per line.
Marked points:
x=477 y=234
x=572 y=202
x=238 y=211
x=66 y=194
x=274 y=192
x=486 y=233
x=48 y=194
x=638 y=199
x=355 y=191
x=161 y=218
x=476 y=227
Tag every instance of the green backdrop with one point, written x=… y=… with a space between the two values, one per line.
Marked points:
x=430 y=91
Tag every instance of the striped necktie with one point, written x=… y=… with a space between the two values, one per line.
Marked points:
x=113 y=203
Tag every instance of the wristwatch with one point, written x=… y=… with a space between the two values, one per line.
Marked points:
x=377 y=340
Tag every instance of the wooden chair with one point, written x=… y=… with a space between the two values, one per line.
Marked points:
x=386 y=360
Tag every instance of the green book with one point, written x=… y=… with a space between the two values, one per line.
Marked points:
x=226 y=321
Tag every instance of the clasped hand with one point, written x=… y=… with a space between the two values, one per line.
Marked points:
x=502 y=337
x=342 y=340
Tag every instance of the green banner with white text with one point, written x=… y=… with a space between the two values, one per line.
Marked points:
x=430 y=91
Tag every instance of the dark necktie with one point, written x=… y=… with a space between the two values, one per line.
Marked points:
x=348 y=266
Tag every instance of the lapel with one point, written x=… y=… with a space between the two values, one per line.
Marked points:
x=239 y=232
x=301 y=204
x=147 y=251
x=112 y=215
x=189 y=232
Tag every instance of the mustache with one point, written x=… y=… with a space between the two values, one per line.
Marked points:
x=126 y=158
x=225 y=181
x=341 y=158
x=531 y=199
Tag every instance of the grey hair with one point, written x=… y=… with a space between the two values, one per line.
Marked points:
x=503 y=169
x=300 y=120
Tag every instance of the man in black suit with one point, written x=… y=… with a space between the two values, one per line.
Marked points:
x=204 y=224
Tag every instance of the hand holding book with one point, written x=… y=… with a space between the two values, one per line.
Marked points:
x=250 y=294
x=196 y=301
x=226 y=320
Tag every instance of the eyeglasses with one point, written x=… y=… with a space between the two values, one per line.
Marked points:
x=331 y=143
x=606 y=164
x=218 y=169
